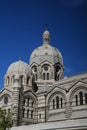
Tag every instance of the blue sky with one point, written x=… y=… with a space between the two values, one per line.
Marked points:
x=22 y=23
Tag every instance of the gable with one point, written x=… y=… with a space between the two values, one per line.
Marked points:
x=77 y=84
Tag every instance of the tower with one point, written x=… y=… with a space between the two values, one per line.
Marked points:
x=16 y=101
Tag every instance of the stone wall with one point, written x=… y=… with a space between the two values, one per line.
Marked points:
x=80 y=124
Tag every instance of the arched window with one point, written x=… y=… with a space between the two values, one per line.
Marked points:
x=81 y=98
x=76 y=98
x=53 y=104
x=32 y=104
x=24 y=102
x=19 y=97
x=35 y=88
x=32 y=114
x=57 y=72
x=40 y=116
x=61 y=102
x=43 y=76
x=47 y=76
x=23 y=112
x=27 y=113
x=85 y=98
x=13 y=79
x=57 y=102
x=28 y=102
x=21 y=79
x=27 y=80
x=34 y=68
x=8 y=80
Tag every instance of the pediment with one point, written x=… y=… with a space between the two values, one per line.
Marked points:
x=78 y=83
x=34 y=63
x=5 y=91
x=57 y=89
x=29 y=93
x=45 y=61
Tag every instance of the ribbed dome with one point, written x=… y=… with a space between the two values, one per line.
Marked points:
x=18 y=67
x=46 y=52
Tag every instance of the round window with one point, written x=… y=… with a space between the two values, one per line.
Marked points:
x=45 y=68
x=6 y=100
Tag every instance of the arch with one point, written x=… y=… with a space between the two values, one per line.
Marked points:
x=81 y=98
x=77 y=95
x=46 y=63
x=46 y=71
x=57 y=101
x=76 y=98
x=21 y=79
x=47 y=76
x=8 y=80
x=31 y=95
x=53 y=103
x=32 y=114
x=58 y=71
x=76 y=88
x=56 y=91
x=13 y=79
x=59 y=97
x=28 y=113
x=44 y=76
x=34 y=86
x=4 y=95
x=28 y=79
x=23 y=112
x=85 y=98
x=61 y=102
x=24 y=102
x=34 y=67
x=30 y=104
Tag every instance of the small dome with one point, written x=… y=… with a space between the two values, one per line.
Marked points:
x=18 y=67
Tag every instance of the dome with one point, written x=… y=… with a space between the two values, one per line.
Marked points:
x=18 y=67
x=46 y=52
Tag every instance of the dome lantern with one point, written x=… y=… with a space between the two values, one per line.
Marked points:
x=46 y=37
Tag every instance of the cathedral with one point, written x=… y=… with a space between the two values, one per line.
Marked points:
x=37 y=94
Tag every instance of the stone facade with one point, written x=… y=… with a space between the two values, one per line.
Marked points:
x=38 y=92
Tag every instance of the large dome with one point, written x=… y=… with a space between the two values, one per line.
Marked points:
x=46 y=52
x=18 y=67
